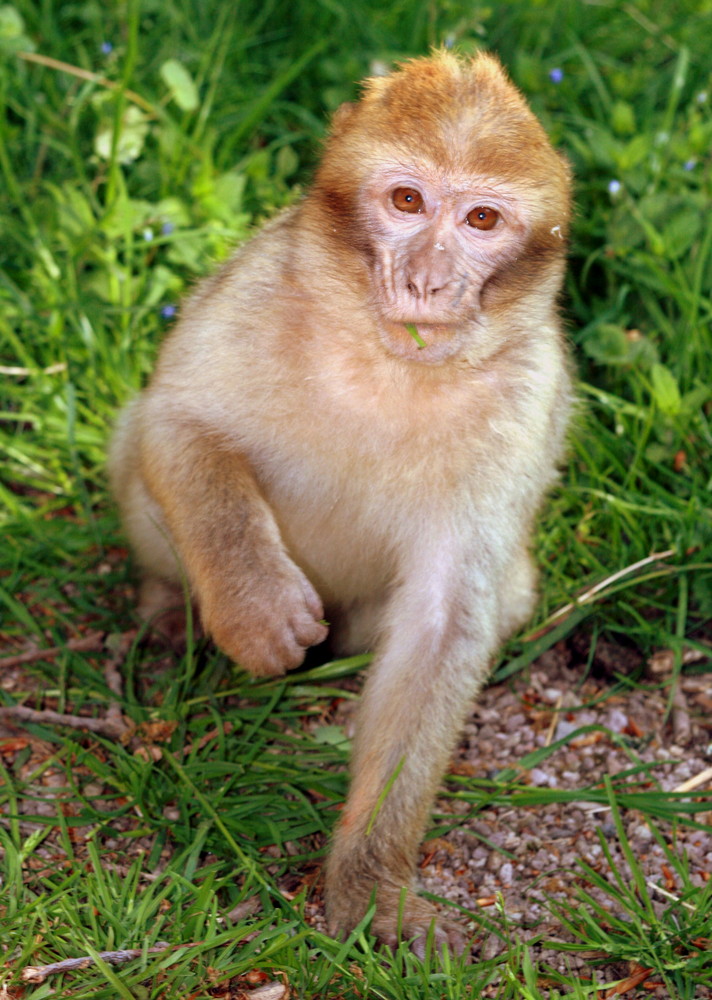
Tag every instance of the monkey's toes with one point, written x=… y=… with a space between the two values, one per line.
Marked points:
x=415 y=920
x=421 y=923
x=444 y=933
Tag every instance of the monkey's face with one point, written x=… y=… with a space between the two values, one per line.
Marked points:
x=439 y=242
x=435 y=239
x=445 y=183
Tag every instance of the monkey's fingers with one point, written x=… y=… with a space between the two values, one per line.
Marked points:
x=309 y=632
x=268 y=626
x=313 y=603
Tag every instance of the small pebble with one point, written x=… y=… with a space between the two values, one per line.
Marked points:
x=538 y=777
x=506 y=873
x=565 y=728
x=616 y=720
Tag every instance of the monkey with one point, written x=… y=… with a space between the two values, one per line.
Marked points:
x=355 y=421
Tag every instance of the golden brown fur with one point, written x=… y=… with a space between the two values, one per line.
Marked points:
x=302 y=455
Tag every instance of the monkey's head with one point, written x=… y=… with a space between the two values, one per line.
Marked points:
x=446 y=185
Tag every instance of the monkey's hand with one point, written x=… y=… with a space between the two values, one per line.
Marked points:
x=267 y=621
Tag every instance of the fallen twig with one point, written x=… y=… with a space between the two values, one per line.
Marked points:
x=668 y=895
x=85 y=74
x=102 y=727
x=61 y=366
x=681 y=724
x=113 y=725
x=631 y=982
x=702 y=778
x=554 y=721
x=589 y=595
x=38 y=973
x=663 y=662
x=93 y=642
x=114 y=681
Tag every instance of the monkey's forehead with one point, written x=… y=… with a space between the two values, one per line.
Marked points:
x=447 y=89
x=475 y=158
x=464 y=116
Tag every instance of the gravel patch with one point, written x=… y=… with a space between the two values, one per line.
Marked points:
x=519 y=858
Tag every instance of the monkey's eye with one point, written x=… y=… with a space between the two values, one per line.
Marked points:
x=482 y=217
x=408 y=200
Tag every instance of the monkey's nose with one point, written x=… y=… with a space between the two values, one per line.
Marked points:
x=423 y=289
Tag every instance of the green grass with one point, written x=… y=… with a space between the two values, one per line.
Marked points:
x=123 y=179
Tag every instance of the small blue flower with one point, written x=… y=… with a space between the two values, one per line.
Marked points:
x=556 y=75
x=167 y=228
x=614 y=187
x=168 y=312
x=147 y=234
x=702 y=97
x=106 y=48
x=690 y=164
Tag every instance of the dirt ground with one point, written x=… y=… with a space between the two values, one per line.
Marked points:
x=521 y=858
x=543 y=844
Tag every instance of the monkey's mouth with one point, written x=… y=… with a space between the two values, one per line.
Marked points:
x=428 y=342
x=429 y=333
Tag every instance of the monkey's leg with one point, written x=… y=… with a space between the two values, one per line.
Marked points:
x=418 y=693
x=162 y=596
x=519 y=596
x=254 y=601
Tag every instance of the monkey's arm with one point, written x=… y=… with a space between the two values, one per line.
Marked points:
x=254 y=601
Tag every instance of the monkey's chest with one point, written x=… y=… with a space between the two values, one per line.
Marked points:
x=349 y=506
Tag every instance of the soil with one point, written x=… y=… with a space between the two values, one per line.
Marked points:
x=520 y=861
x=526 y=857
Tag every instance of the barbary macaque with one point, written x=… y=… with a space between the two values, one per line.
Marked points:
x=355 y=420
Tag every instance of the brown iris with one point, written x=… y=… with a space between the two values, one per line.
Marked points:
x=408 y=200
x=482 y=217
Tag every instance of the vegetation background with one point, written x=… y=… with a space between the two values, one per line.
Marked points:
x=139 y=141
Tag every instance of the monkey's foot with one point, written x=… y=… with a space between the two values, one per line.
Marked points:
x=163 y=606
x=397 y=919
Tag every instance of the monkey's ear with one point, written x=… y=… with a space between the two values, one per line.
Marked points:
x=342 y=116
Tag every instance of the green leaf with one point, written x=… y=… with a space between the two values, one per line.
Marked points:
x=634 y=152
x=331 y=735
x=623 y=118
x=181 y=85
x=286 y=162
x=134 y=129
x=12 y=31
x=229 y=191
x=162 y=282
x=606 y=344
x=11 y=23
x=604 y=150
x=611 y=344
x=666 y=393
x=681 y=231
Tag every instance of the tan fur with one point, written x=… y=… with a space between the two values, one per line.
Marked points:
x=301 y=455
